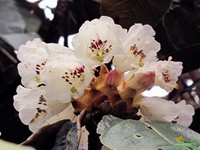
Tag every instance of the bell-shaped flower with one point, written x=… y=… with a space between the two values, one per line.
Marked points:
x=140 y=81
x=98 y=41
x=140 y=48
x=134 y=84
x=33 y=56
x=55 y=67
x=167 y=73
x=35 y=108
x=65 y=77
x=164 y=110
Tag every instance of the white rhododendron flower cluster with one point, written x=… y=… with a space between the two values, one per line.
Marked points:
x=53 y=76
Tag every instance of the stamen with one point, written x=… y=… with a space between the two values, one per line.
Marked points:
x=141 y=64
x=100 y=48
x=175 y=86
x=37 y=79
x=74 y=77
x=100 y=58
x=140 y=53
x=73 y=90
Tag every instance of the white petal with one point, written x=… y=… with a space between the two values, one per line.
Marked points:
x=167 y=73
x=61 y=75
x=26 y=102
x=67 y=113
x=163 y=110
x=186 y=113
x=141 y=81
x=98 y=41
x=140 y=48
x=35 y=49
x=33 y=56
x=158 y=109
x=34 y=108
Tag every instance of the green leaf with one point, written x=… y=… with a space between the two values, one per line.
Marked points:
x=155 y=135
x=128 y=12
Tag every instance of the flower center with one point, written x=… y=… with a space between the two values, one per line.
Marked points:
x=100 y=49
x=74 y=78
x=138 y=53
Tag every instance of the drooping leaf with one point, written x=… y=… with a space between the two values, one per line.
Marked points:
x=133 y=134
x=128 y=12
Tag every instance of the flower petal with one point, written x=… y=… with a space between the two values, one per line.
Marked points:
x=163 y=110
x=186 y=113
x=33 y=56
x=34 y=107
x=98 y=41
x=140 y=48
x=167 y=73
x=65 y=77
x=141 y=81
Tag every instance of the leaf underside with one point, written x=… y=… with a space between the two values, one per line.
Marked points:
x=132 y=134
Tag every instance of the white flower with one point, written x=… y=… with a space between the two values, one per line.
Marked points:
x=98 y=41
x=65 y=77
x=35 y=108
x=163 y=110
x=55 y=67
x=33 y=56
x=167 y=73
x=140 y=81
x=140 y=48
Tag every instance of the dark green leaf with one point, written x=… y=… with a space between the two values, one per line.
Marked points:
x=128 y=12
x=133 y=134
